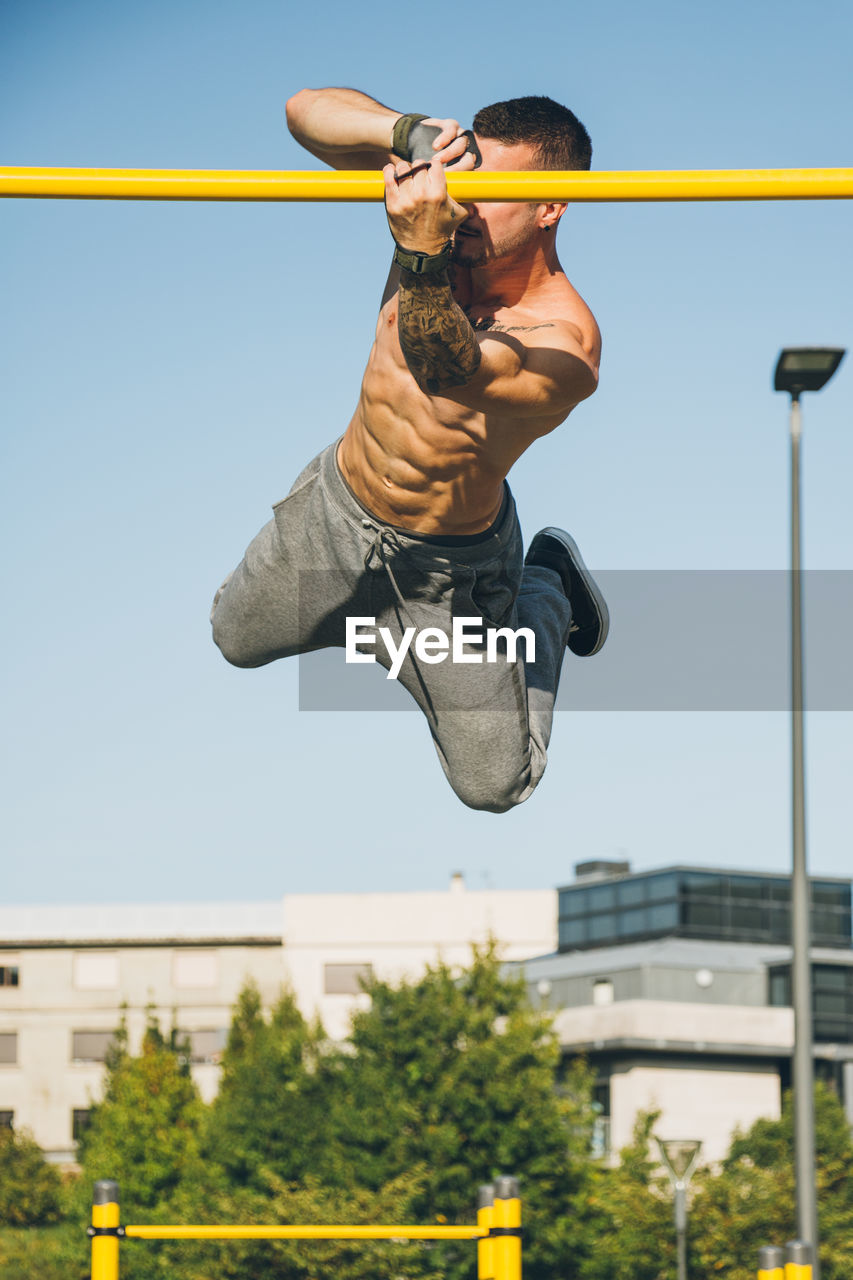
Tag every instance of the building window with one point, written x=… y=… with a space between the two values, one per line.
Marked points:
x=832 y=999
x=96 y=970
x=8 y=975
x=572 y=934
x=600 y=1142
x=195 y=969
x=7 y=1119
x=724 y=906
x=664 y=916
x=346 y=979
x=91 y=1046
x=633 y=921
x=205 y=1046
x=602 y=928
x=8 y=1048
x=81 y=1118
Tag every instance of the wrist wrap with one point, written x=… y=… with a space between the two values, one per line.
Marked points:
x=422 y=264
x=413 y=140
x=402 y=129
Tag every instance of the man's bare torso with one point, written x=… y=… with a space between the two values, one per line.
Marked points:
x=432 y=463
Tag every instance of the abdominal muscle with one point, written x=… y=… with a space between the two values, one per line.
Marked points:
x=423 y=462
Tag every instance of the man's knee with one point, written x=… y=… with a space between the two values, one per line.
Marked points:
x=232 y=641
x=493 y=794
x=233 y=649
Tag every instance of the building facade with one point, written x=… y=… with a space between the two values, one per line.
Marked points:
x=70 y=975
x=675 y=984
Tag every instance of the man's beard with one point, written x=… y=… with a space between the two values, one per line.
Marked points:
x=469 y=252
x=475 y=251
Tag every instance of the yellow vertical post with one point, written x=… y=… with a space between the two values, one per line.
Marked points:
x=771 y=1263
x=798 y=1260
x=485 y=1219
x=105 y=1230
x=506 y=1226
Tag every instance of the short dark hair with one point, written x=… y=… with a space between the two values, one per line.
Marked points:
x=561 y=141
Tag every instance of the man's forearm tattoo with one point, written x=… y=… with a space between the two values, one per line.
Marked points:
x=435 y=334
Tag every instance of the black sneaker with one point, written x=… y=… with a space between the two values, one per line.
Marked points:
x=554 y=549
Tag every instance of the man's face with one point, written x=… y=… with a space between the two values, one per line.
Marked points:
x=495 y=230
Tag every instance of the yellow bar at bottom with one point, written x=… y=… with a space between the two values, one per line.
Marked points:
x=798 y=1271
x=775 y=1273
x=302 y=1232
x=366 y=185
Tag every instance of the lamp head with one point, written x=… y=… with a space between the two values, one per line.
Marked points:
x=679 y=1157
x=806 y=368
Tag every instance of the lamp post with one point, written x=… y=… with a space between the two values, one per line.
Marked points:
x=680 y=1159
x=801 y=369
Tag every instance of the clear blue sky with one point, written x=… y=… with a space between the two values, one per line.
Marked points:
x=167 y=369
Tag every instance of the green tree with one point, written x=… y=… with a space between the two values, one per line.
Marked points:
x=627 y=1215
x=30 y=1188
x=269 y=1114
x=145 y=1131
x=751 y=1202
x=454 y=1078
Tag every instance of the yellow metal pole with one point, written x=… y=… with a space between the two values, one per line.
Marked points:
x=485 y=1219
x=105 y=1230
x=771 y=1263
x=506 y=1230
x=798 y=1260
x=259 y=184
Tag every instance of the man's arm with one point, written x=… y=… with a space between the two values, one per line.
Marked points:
x=342 y=127
x=538 y=370
x=349 y=130
x=534 y=371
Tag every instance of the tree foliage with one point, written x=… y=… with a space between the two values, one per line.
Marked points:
x=270 y=1112
x=444 y=1084
x=627 y=1215
x=455 y=1077
x=30 y=1188
x=145 y=1131
x=751 y=1202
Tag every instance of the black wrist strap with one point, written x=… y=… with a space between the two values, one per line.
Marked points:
x=422 y=264
x=402 y=129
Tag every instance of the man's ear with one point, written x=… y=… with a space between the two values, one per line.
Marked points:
x=551 y=214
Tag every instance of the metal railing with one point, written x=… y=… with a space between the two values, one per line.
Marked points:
x=497 y=1231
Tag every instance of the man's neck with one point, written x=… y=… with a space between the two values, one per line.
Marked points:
x=510 y=280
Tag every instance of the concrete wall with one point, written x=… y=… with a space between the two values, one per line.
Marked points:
x=707 y=1102
x=50 y=1004
x=399 y=934
x=657 y=1022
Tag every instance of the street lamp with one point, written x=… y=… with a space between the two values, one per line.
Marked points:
x=801 y=369
x=680 y=1159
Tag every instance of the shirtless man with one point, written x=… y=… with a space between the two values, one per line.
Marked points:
x=407 y=523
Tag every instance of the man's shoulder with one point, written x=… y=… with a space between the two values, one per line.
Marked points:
x=561 y=327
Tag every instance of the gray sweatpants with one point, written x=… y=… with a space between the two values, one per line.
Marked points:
x=324 y=557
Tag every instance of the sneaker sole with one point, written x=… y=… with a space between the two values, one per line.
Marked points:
x=590 y=586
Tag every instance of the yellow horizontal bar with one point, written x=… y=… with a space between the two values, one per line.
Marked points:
x=304 y=1233
x=257 y=184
